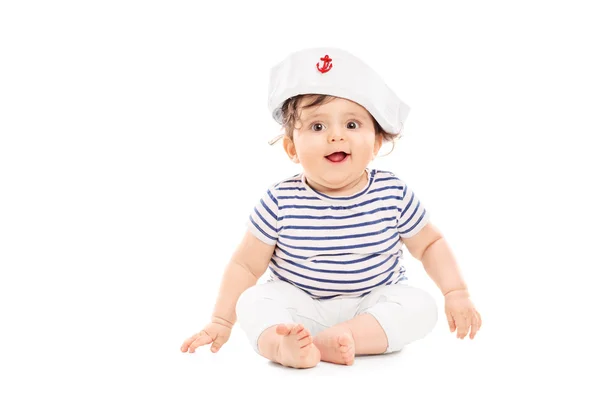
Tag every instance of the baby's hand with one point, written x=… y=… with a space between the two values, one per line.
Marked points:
x=215 y=333
x=461 y=314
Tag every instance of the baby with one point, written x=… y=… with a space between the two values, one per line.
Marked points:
x=333 y=235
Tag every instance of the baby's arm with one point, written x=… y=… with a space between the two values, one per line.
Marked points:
x=247 y=264
x=431 y=248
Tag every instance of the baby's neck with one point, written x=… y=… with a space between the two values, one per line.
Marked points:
x=348 y=190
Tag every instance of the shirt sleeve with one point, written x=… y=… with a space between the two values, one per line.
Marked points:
x=263 y=218
x=413 y=214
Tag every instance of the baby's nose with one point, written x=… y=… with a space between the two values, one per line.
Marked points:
x=336 y=136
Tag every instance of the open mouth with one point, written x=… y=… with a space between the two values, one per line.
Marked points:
x=337 y=157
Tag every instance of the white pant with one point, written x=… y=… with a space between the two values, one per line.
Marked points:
x=404 y=312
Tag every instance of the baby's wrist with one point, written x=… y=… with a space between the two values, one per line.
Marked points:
x=460 y=290
x=221 y=321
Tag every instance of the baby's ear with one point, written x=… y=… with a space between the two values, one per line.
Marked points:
x=378 y=144
x=290 y=149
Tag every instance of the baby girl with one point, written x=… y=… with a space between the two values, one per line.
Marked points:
x=332 y=236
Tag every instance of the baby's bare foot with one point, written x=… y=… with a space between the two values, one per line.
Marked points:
x=336 y=346
x=296 y=348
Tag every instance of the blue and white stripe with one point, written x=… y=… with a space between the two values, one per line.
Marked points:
x=338 y=246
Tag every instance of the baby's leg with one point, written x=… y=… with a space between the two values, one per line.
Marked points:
x=387 y=319
x=277 y=318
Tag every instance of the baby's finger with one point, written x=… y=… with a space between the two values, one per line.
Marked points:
x=218 y=342
x=463 y=326
x=451 y=322
x=188 y=341
x=474 y=325
x=200 y=341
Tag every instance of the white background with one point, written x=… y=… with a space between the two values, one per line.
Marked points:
x=133 y=145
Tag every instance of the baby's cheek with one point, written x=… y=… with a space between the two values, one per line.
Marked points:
x=308 y=150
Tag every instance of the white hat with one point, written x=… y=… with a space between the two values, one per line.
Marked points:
x=335 y=72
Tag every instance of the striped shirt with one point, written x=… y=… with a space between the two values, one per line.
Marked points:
x=332 y=247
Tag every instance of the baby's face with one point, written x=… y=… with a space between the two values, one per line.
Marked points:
x=334 y=142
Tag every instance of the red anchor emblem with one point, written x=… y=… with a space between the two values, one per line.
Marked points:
x=326 y=64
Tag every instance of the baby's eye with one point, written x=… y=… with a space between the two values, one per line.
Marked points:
x=317 y=127
x=352 y=125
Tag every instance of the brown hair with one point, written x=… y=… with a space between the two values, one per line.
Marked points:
x=291 y=114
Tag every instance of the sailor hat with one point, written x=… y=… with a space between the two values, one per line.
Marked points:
x=335 y=72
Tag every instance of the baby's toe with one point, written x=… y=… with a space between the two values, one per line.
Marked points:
x=305 y=341
x=298 y=330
